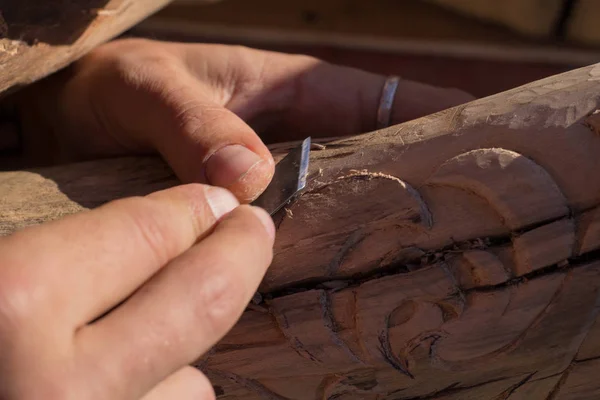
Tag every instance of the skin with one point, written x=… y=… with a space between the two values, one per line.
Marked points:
x=121 y=311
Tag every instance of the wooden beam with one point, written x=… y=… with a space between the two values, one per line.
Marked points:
x=376 y=25
x=451 y=257
x=38 y=38
x=274 y=36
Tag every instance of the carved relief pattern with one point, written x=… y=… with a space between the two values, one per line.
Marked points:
x=415 y=313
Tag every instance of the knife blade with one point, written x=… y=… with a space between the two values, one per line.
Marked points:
x=288 y=181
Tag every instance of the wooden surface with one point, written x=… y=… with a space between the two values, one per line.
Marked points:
x=375 y=17
x=413 y=39
x=489 y=22
x=452 y=257
x=391 y=23
x=573 y=21
x=531 y=17
x=40 y=37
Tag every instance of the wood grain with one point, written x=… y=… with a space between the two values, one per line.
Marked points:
x=450 y=257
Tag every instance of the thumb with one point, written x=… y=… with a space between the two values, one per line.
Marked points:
x=150 y=102
x=211 y=144
x=202 y=141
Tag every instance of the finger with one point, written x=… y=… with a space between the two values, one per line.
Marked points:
x=297 y=96
x=337 y=100
x=184 y=309
x=186 y=384
x=184 y=118
x=213 y=145
x=94 y=260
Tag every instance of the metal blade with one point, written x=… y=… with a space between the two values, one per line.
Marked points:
x=289 y=179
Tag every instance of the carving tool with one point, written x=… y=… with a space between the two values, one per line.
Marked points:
x=288 y=181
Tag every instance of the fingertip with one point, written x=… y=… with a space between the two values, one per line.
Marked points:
x=241 y=219
x=239 y=169
x=254 y=182
x=221 y=201
x=265 y=220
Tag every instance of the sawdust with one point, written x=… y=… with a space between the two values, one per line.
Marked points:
x=7 y=46
x=10 y=47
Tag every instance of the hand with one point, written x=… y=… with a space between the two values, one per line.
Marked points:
x=114 y=303
x=199 y=106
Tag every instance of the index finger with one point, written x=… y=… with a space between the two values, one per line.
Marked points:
x=87 y=263
x=183 y=310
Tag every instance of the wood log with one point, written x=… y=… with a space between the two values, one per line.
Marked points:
x=451 y=257
x=38 y=38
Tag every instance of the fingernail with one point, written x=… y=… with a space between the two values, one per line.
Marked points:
x=221 y=201
x=229 y=165
x=266 y=220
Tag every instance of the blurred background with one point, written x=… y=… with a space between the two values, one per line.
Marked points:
x=481 y=46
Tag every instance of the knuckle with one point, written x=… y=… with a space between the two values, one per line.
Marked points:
x=152 y=227
x=194 y=115
x=15 y=311
x=19 y=300
x=145 y=71
x=22 y=313
x=137 y=63
x=222 y=300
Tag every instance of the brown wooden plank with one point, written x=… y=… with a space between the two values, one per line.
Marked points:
x=40 y=37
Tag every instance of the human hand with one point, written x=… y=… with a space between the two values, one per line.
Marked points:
x=114 y=303
x=200 y=105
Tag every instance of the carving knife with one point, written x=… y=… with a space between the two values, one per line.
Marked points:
x=288 y=181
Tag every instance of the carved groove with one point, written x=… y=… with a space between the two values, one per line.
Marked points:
x=505 y=347
x=563 y=378
x=350 y=243
x=388 y=355
x=507 y=393
x=403 y=350
x=330 y=323
x=293 y=341
x=517 y=188
x=588 y=232
x=252 y=385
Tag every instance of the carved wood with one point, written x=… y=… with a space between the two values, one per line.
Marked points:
x=39 y=37
x=451 y=257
